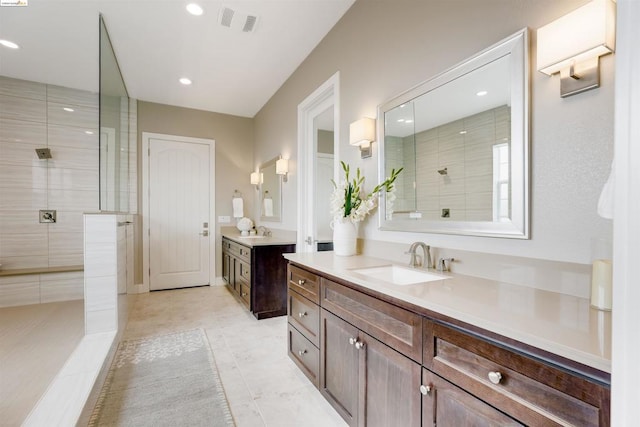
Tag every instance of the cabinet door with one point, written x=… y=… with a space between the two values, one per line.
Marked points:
x=226 y=267
x=445 y=405
x=391 y=387
x=339 y=364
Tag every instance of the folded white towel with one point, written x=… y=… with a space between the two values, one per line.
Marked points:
x=268 y=207
x=238 y=207
x=605 y=203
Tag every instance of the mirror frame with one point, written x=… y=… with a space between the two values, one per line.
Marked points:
x=278 y=218
x=517 y=46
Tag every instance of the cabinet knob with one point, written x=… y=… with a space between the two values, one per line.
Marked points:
x=359 y=345
x=302 y=352
x=302 y=314
x=425 y=389
x=301 y=282
x=495 y=377
x=244 y=294
x=352 y=341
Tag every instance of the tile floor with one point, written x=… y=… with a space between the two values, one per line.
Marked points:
x=263 y=386
x=35 y=342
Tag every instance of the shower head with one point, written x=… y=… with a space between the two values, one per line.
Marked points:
x=442 y=171
x=43 y=153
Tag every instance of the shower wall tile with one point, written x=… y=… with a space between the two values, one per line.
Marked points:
x=23 y=244
x=23 y=132
x=78 y=179
x=61 y=286
x=82 y=116
x=65 y=95
x=18 y=222
x=73 y=137
x=18 y=199
x=22 y=88
x=29 y=110
x=73 y=200
x=65 y=248
x=25 y=177
x=20 y=154
x=74 y=158
x=19 y=290
x=67 y=221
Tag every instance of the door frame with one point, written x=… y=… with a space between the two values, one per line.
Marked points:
x=325 y=96
x=146 y=138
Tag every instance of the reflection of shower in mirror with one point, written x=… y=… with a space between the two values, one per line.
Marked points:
x=442 y=171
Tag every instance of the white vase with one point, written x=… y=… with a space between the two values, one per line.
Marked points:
x=345 y=236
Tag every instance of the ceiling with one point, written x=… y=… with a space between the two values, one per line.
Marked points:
x=157 y=42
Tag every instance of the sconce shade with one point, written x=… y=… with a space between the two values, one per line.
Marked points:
x=586 y=33
x=282 y=166
x=362 y=131
x=255 y=178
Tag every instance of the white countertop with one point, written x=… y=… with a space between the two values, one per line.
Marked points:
x=561 y=324
x=252 y=241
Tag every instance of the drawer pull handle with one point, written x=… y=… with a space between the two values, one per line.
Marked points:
x=359 y=345
x=352 y=341
x=425 y=389
x=495 y=377
x=302 y=352
x=301 y=282
x=302 y=314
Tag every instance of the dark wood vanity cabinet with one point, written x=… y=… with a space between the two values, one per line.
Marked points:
x=384 y=365
x=257 y=275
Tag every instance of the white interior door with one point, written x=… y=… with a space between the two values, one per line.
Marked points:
x=179 y=194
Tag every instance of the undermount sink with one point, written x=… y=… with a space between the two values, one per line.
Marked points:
x=399 y=275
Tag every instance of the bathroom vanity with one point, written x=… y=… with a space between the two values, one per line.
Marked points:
x=255 y=271
x=456 y=350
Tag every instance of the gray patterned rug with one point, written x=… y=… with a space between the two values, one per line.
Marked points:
x=169 y=380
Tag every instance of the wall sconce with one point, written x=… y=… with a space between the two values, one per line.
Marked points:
x=282 y=168
x=362 y=133
x=573 y=44
x=256 y=179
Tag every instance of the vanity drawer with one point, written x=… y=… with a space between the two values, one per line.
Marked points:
x=245 y=272
x=396 y=327
x=305 y=316
x=305 y=283
x=304 y=354
x=245 y=294
x=533 y=392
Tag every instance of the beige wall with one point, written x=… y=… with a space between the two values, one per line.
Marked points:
x=382 y=48
x=234 y=156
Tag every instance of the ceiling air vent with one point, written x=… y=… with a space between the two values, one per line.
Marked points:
x=250 y=23
x=226 y=16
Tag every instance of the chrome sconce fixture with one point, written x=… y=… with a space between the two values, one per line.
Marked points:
x=572 y=45
x=282 y=168
x=362 y=133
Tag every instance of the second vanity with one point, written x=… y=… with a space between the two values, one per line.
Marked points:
x=453 y=351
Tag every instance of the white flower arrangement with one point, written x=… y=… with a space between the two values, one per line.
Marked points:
x=347 y=202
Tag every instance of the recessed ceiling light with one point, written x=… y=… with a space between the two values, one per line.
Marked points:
x=400 y=120
x=68 y=109
x=408 y=121
x=194 y=9
x=9 y=44
x=185 y=81
x=482 y=93
x=88 y=132
x=462 y=132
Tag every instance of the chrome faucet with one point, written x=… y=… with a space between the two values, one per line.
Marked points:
x=263 y=231
x=413 y=262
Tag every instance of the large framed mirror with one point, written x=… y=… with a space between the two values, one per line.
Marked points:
x=463 y=140
x=270 y=192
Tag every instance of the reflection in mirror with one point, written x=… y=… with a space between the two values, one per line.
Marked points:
x=114 y=130
x=270 y=192
x=462 y=139
x=323 y=129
